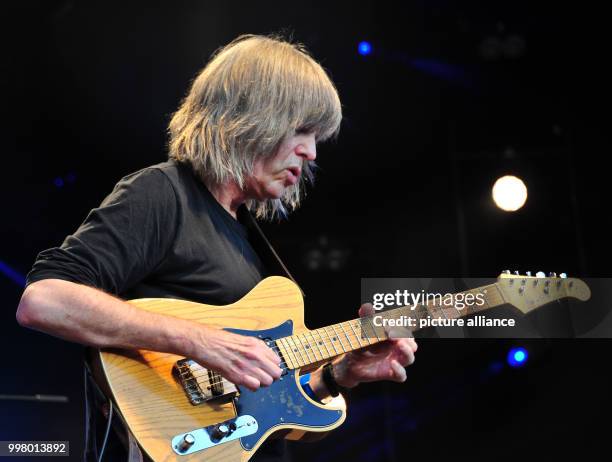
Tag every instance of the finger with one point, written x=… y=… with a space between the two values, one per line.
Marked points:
x=381 y=348
x=399 y=373
x=265 y=379
x=367 y=309
x=398 y=332
x=270 y=353
x=260 y=355
x=271 y=368
x=250 y=382
x=413 y=344
x=404 y=352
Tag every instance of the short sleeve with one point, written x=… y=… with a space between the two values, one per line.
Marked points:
x=120 y=242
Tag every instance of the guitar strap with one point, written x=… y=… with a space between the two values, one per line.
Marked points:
x=264 y=248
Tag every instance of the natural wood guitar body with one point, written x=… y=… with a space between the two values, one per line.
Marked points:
x=153 y=402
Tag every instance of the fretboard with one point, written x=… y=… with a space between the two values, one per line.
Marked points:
x=311 y=347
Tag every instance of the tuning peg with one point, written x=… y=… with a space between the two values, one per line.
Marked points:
x=563 y=276
x=552 y=275
x=528 y=273
x=517 y=273
x=540 y=274
x=506 y=271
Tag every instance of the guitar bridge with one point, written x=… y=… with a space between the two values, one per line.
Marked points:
x=201 y=384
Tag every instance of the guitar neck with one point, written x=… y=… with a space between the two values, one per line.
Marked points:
x=315 y=346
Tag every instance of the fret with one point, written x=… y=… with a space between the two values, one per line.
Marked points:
x=469 y=309
x=442 y=309
x=490 y=298
x=286 y=352
x=281 y=352
x=347 y=337
x=306 y=348
x=350 y=323
x=369 y=319
x=454 y=312
x=314 y=351
x=476 y=308
x=500 y=295
x=336 y=336
x=408 y=311
x=422 y=312
x=296 y=349
x=318 y=331
x=432 y=311
x=364 y=335
x=332 y=342
x=487 y=304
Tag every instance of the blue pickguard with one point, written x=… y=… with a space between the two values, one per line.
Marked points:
x=282 y=402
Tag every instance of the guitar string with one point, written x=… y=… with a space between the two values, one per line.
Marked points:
x=427 y=309
x=218 y=379
x=423 y=309
x=323 y=342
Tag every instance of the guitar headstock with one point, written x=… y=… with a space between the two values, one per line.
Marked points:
x=527 y=292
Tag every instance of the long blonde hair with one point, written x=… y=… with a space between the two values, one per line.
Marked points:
x=255 y=92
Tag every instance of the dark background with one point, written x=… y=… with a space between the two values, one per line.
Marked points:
x=431 y=120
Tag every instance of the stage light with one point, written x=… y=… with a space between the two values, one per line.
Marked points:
x=12 y=274
x=58 y=182
x=364 y=48
x=517 y=357
x=509 y=193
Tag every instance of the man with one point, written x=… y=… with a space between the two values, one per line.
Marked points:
x=244 y=138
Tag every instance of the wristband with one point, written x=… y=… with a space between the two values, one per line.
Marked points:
x=330 y=382
x=304 y=382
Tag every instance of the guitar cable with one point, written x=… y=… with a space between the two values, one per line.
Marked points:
x=106 y=433
x=88 y=410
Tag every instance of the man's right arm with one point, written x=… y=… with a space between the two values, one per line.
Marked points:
x=85 y=315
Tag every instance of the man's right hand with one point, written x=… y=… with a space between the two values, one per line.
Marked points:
x=242 y=360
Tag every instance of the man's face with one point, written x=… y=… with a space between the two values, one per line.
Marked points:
x=273 y=175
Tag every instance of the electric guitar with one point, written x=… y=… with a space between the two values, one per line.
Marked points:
x=178 y=410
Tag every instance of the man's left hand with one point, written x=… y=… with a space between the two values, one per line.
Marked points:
x=383 y=361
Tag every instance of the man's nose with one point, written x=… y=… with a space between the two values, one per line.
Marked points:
x=307 y=148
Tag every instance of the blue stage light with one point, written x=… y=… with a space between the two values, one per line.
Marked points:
x=58 y=182
x=517 y=357
x=364 y=48
x=12 y=274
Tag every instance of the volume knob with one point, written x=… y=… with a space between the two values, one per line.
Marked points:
x=186 y=442
x=221 y=431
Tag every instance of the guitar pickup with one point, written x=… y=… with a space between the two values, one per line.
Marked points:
x=202 y=384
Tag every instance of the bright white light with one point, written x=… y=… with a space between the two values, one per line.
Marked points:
x=509 y=193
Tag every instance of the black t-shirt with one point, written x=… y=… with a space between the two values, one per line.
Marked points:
x=160 y=233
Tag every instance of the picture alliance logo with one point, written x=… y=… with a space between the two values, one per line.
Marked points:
x=404 y=298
